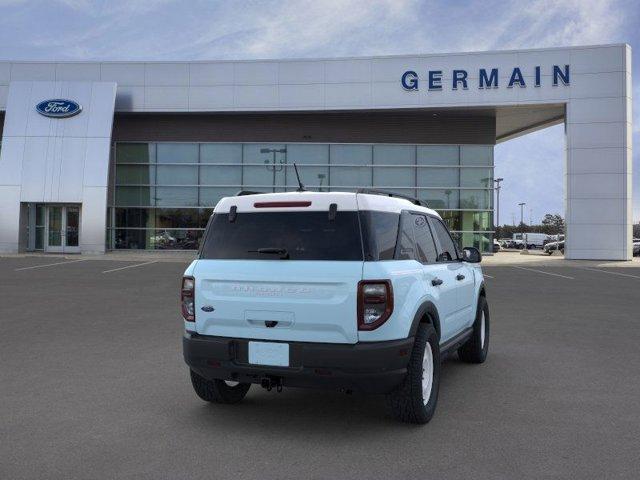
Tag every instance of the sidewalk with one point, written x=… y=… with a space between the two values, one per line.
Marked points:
x=536 y=257
x=121 y=255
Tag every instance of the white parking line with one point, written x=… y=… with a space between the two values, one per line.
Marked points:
x=545 y=273
x=130 y=266
x=50 y=264
x=488 y=276
x=611 y=273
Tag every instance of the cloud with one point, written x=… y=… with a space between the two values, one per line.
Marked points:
x=546 y=23
x=251 y=29
x=306 y=28
x=77 y=4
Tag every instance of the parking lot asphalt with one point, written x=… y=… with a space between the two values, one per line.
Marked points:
x=93 y=385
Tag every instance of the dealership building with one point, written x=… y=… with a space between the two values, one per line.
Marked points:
x=99 y=156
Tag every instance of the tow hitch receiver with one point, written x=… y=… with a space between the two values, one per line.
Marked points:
x=270 y=382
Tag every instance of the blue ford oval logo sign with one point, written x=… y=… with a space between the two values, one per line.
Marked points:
x=58 y=108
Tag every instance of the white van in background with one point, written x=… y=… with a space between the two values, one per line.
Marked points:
x=532 y=240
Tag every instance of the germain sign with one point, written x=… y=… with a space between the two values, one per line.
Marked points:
x=58 y=108
x=487 y=78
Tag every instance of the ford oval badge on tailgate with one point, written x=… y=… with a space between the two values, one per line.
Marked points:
x=207 y=308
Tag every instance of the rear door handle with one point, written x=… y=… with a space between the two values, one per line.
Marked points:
x=459 y=277
x=436 y=281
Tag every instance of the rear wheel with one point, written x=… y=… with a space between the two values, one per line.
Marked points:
x=218 y=391
x=414 y=401
x=477 y=347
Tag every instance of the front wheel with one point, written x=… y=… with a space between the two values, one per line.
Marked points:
x=414 y=401
x=477 y=347
x=218 y=391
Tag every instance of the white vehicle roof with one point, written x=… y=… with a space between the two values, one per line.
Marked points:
x=317 y=201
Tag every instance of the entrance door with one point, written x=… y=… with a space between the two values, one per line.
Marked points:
x=63 y=228
x=54 y=230
x=72 y=229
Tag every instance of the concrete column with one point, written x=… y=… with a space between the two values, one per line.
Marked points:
x=598 y=173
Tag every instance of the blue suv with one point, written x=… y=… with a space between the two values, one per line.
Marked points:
x=361 y=291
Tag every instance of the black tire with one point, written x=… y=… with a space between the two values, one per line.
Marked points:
x=217 y=391
x=475 y=350
x=406 y=402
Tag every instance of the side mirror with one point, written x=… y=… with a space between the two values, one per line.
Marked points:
x=471 y=255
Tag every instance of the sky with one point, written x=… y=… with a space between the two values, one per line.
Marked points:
x=532 y=166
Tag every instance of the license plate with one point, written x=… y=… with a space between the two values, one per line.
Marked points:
x=269 y=353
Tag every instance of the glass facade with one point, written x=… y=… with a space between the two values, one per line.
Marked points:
x=164 y=193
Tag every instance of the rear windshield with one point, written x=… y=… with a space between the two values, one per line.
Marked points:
x=284 y=235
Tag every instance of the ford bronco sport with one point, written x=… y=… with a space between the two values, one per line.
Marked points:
x=357 y=291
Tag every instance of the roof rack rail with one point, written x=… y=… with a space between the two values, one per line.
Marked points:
x=242 y=193
x=373 y=191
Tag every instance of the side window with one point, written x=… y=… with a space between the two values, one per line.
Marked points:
x=379 y=234
x=447 y=251
x=424 y=241
x=405 y=246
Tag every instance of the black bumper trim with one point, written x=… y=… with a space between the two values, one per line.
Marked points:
x=371 y=367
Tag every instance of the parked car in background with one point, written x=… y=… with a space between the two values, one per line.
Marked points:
x=554 y=238
x=636 y=247
x=496 y=246
x=508 y=243
x=553 y=246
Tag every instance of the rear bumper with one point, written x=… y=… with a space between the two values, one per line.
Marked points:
x=375 y=367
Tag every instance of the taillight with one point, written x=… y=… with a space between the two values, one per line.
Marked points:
x=187 y=294
x=375 y=303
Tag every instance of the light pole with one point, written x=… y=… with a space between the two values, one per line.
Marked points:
x=497 y=182
x=522 y=213
x=524 y=240
x=274 y=166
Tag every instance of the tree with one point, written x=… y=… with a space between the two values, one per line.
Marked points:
x=554 y=220
x=552 y=224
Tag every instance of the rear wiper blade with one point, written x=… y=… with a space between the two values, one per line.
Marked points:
x=284 y=254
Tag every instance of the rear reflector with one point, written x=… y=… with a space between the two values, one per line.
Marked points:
x=281 y=204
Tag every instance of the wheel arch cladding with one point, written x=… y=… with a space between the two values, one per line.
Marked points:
x=427 y=313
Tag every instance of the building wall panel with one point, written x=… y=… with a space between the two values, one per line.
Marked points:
x=364 y=127
x=50 y=166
